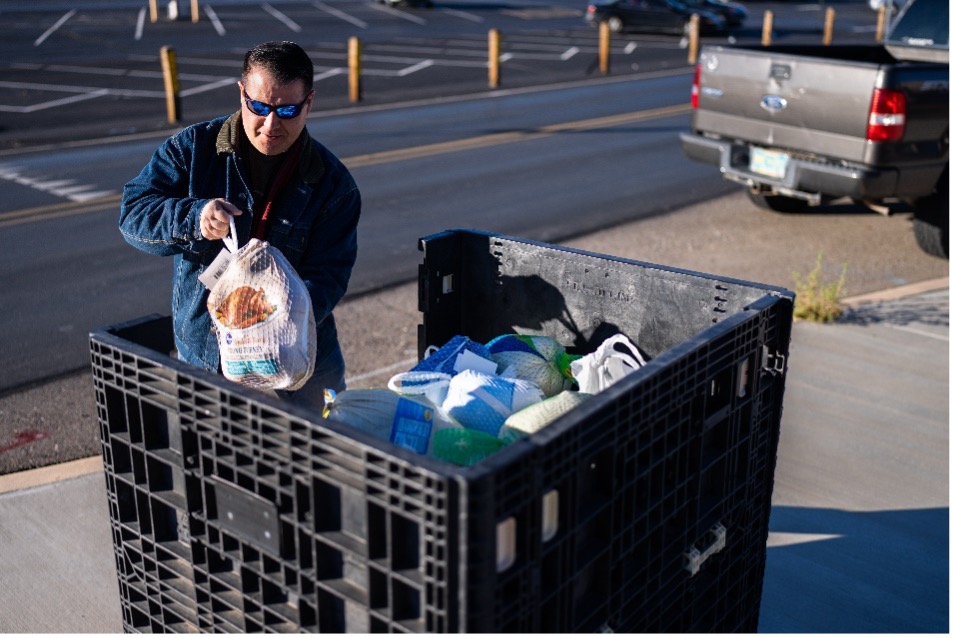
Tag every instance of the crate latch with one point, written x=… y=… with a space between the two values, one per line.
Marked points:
x=773 y=362
x=713 y=543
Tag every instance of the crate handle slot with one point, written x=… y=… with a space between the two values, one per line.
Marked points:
x=550 y=515
x=695 y=557
x=505 y=544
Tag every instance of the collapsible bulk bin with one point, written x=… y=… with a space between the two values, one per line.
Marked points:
x=645 y=509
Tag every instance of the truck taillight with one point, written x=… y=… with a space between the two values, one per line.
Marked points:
x=888 y=116
x=696 y=85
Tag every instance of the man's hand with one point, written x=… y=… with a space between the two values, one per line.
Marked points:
x=214 y=218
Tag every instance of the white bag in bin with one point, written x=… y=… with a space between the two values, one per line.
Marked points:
x=262 y=313
x=615 y=358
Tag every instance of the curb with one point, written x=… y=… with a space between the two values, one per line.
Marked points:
x=50 y=474
x=892 y=294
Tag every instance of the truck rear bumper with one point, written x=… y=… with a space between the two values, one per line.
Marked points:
x=805 y=179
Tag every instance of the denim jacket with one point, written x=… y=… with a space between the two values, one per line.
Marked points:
x=313 y=223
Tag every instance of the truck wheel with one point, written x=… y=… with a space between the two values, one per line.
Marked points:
x=615 y=24
x=777 y=203
x=931 y=220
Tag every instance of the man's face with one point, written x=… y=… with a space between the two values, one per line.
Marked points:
x=270 y=134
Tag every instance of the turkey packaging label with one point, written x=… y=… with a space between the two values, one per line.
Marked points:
x=265 y=323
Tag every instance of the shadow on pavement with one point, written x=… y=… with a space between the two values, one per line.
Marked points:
x=930 y=310
x=837 y=570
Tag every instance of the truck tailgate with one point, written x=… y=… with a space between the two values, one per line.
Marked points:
x=785 y=100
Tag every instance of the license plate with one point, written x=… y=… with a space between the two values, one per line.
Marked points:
x=769 y=163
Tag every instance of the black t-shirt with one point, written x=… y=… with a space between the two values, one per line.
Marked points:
x=261 y=171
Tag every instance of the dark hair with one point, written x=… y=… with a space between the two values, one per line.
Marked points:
x=282 y=60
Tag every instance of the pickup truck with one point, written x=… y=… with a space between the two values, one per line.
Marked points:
x=802 y=125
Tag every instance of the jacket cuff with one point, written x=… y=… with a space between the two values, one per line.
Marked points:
x=194 y=221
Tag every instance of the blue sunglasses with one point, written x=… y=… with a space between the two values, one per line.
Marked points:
x=284 y=112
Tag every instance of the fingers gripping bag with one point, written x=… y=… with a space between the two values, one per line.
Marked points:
x=262 y=313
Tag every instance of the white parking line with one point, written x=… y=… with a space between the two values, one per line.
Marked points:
x=213 y=17
x=423 y=64
x=340 y=14
x=400 y=14
x=432 y=50
x=414 y=68
x=47 y=87
x=56 y=26
x=463 y=14
x=66 y=188
x=329 y=73
x=195 y=90
x=568 y=53
x=140 y=22
x=60 y=102
x=291 y=24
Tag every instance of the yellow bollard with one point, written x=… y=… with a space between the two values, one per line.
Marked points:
x=829 y=26
x=153 y=11
x=693 y=29
x=195 y=10
x=354 y=68
x=171 y=77
x=881 y=22
x=767 y=28
x=604 y=47
x=494 y=59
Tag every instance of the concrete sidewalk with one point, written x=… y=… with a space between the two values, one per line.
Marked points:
x=860 y=522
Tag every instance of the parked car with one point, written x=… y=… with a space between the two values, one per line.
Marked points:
x=893 y=5
x=734 y=13
x=653 y=16
x=801 y=125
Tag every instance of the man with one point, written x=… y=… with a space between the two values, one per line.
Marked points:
x=260 y=167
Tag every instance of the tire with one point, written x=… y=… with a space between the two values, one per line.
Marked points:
x=931 y=220
x=777 y=203
x=615 y=24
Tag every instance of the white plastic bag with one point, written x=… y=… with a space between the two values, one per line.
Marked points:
x=432 y=385
x=262 y=313
x=615 y=358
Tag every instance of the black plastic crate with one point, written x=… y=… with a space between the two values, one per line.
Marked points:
x=644 y=509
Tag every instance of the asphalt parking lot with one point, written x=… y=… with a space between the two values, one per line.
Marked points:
x=99 y=64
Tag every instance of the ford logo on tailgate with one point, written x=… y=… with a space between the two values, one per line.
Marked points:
x=773 y=103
